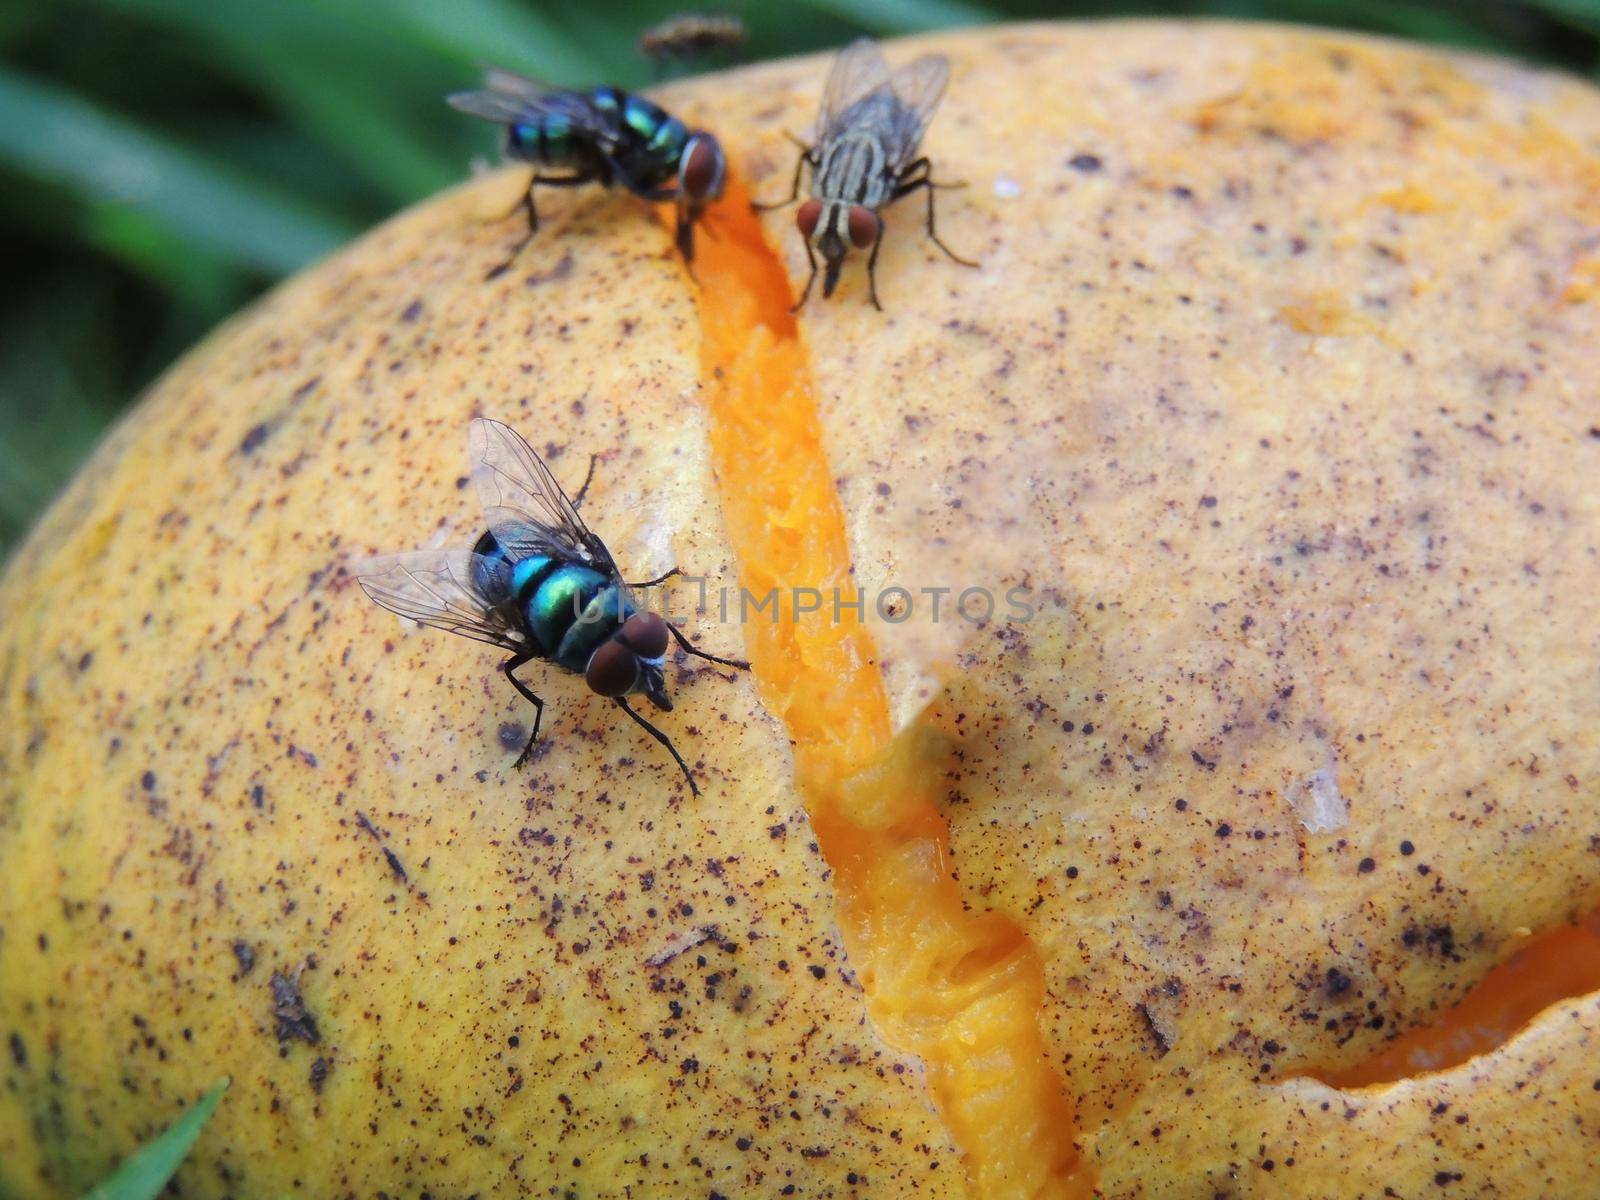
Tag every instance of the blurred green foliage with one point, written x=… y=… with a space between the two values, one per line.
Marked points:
x=161 y=161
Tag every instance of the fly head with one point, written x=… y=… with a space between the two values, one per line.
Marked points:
x=702 y=176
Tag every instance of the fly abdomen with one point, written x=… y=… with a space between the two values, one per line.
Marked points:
x=526 y=576
x=610 y=101
x=547 y=142
x=556 y=602
x=600 y=618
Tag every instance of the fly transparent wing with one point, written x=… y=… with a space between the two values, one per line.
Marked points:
x=439 y=588
x=524 y=505
x=856 y=73
x=509 y=99
x=918 y=87
x=498 y=79
x=491 y=106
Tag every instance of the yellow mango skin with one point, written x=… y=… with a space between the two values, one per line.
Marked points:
x=201 y=708
x=1174 y=420
x=1287 y=405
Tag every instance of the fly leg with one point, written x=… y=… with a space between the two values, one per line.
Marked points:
x=872 y=268
x=737 y=663
x=663 y=739
x=507 y=667
x=683 y=233
x=648 y=583
x=807 y=155
x=526 y=203
x=811 y=258
x=533 y=227
x=683 y=239
x=922 y=179
x=577 y=500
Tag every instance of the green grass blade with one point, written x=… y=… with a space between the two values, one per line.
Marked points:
x=144 y=1175
x=1583 y=13
x=343 y=82
x=56 y=136
x=481 y=31
x=383 y=147
x=905 y=16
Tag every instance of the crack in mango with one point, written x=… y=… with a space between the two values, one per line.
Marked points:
x=1559 y=964
x=962 y=990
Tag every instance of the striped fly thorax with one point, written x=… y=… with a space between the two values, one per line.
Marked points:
x=855 y=167
x=852 y=171
x=652 y=139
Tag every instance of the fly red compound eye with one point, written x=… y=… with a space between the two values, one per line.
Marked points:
x=807 y=217
x=613 y=670
x=863 y=226
x=702 y=172
x=645 y=633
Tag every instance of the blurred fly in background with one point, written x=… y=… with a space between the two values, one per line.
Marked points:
x=162 y=163
x=691 y=35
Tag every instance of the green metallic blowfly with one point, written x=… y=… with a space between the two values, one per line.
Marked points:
x=539 y=584
x=601 y=135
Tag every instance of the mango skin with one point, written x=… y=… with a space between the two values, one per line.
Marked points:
x=210 y=752
x=1202 y=441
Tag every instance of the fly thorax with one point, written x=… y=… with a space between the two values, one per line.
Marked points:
x=653 y=142
x=854 y=170
x=669 y=140
x=595 y=619
x=643 y=119
x=557 y=601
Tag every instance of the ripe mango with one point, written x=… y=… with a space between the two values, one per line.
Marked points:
x=1272 y=403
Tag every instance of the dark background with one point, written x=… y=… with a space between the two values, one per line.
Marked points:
x=162 y=161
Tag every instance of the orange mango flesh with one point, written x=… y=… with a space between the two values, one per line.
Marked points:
x=960 y=989
x=1555 y=966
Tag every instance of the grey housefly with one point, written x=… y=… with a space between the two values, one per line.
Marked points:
x=864 y=157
